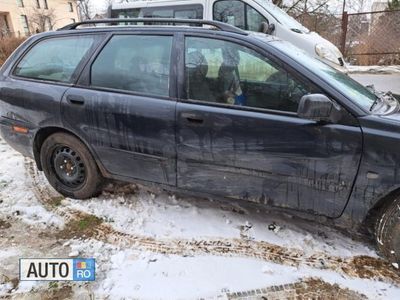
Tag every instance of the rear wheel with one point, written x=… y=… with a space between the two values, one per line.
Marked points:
x=387 y=232
x=69 y=167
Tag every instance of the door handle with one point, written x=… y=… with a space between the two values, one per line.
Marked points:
x=77 y=100
x=192 y=118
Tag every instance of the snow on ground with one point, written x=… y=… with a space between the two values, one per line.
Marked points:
x=166 y=216
x=126 y=272
x=374 y=69
x=16 y=197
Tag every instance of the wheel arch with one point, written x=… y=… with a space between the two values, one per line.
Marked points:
x=43 y=133
x=374 y=213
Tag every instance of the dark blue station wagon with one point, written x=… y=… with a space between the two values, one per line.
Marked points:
x=222 y=112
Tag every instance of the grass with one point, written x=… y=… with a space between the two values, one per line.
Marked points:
x=56 y=201
x=53 y=285
x=84 y=225
x=88 y=222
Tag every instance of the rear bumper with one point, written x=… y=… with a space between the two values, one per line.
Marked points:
x=21 y=142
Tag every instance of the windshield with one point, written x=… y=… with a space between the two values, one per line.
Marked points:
x=347 y=86
x=282 y=16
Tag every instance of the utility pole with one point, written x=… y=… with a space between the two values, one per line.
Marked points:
x=345 y=20
x=344 y=7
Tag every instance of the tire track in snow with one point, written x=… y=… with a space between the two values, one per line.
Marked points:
x=357 y=266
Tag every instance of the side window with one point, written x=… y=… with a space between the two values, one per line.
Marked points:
x=134 y=63
x=55 y=59
x=195 y=12
x=239 y=14
x=225 y=72
x=126 y=13
x=179 y=12
x=231 y=12
x=254 y=19
x=159 y=13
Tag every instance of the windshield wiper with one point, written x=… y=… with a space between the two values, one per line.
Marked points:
x=386 y=98
x=376 y=101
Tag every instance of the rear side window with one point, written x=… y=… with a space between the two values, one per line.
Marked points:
x=134 y=63
x=55 y=59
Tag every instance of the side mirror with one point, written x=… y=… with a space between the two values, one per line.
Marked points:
x=318 y=107
x=267 y=28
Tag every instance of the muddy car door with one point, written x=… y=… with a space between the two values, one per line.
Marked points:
x=239 y=134
x=123 y=107
x=37 y=82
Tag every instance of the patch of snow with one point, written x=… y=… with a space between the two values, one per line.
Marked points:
x=374 y=69
x=164 y=216
x=185 y=277
x=4 y=288
x=73 y=253
x=18 y=200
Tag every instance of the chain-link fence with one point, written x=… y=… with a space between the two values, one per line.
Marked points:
x=372 y=38
x=368 y=38
x=329 y=26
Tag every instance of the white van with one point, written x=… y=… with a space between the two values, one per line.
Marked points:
x=252 y=15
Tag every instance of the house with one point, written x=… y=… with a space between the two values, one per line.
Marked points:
x=25 y=17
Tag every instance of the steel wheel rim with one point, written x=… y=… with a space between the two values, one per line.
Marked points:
x=68 y=166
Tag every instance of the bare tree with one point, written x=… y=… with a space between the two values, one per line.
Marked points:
x=356 y=5
x=85 y=9
x=42 y=19
x=300 y=7
x=394 y=4
x=278 y=2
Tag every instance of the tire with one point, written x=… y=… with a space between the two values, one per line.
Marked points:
x=69 y=167
x=387 y=232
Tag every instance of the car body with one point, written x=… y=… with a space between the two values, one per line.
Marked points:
x=149 y=104
x=245 y=14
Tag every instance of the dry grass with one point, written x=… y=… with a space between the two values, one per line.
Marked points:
x=7 y=46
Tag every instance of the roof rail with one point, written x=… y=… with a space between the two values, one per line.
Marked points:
x=219 y=25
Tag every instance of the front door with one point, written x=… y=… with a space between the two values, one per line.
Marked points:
x=239 y=135
x=125 y=111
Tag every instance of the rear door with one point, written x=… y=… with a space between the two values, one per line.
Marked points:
x=258 y=148
x=124 y=107
x=33 y=91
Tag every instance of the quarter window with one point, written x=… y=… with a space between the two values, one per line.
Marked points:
x=227 y=73
x=134 y=63
x=55 y=59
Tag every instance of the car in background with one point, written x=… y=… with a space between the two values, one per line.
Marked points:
x=252 y=15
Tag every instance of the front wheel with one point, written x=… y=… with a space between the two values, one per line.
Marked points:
x=387 y=232
x=69 y=167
